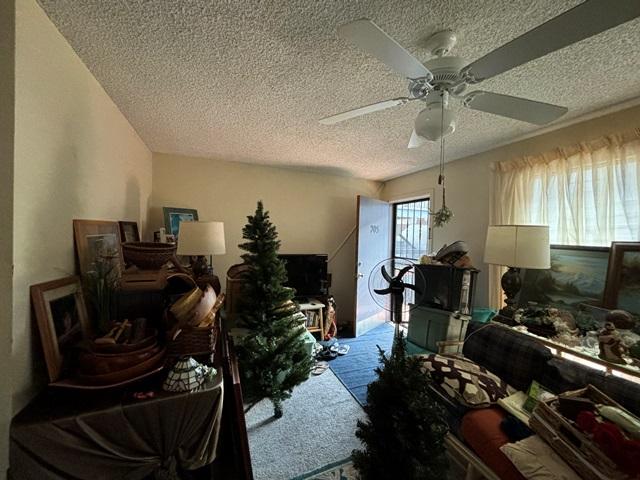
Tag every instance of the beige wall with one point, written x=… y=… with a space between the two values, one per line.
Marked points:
x=468 y=183
x=7 y=41
x=313 y=212
x=76 y=156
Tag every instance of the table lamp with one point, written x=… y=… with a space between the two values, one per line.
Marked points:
x=197 y=239
x=516 y=247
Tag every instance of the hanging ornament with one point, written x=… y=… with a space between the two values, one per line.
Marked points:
x=444 y=215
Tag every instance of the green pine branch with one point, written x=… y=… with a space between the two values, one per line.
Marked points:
x=404 y=433
x=272 y=356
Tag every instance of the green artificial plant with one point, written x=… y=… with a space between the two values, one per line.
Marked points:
x=404 y=433
x=272 y=356
x=100 y=285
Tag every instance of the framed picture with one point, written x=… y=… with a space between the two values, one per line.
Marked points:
x=577 y=275
x=95 y=239
x=129 y=231
x=62 y=320
x=623 y=277
x=173 y=216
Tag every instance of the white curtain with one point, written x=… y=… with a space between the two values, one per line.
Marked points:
x=588 y=193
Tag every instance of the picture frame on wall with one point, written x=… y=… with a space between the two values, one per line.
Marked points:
x=622 y=290
x=62 y=320
x=128 y=231
x=173 y=216
x=95 y=239
x=577 y=276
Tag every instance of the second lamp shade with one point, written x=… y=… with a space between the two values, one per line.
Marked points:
x=201 y=238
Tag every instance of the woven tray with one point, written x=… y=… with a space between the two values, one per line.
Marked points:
x=570 y=443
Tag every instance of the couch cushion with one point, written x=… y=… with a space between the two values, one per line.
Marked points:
x=463 y=380
x=513 y=357
x=482 y=432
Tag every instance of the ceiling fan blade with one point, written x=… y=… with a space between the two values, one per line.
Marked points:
x=373 y=40
x=374 y=107
x=416 y=140
x=518 y=108
x=583 y=21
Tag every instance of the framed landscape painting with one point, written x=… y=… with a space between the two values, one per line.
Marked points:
x=173 y=216
x=623 y=277
x=577 y=275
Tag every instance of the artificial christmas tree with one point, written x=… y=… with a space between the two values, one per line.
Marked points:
x=272 y=355
x=404 y=433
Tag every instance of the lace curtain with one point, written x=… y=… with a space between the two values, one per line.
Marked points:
x=588 y=194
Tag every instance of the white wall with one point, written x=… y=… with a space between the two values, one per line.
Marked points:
x=468 y=182
x=7 y=41
x=76 y=156
x=313 y=212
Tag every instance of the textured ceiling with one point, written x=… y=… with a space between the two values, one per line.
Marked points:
x=247 y=80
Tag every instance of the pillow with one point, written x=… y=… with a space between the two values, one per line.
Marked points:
x=466 y=382
x=536 y=460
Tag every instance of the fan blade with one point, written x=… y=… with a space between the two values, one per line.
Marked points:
x=386 y=275
x=374 y=107
x=583 y=21
x=384 y=291
x=514 y=107
x=403 y=271
x=373 y=40
x=411 y=287
x=416 y=140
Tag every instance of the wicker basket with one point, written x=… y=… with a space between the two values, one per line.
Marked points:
x=148 y=255
x=192 y=341
x=570 y=443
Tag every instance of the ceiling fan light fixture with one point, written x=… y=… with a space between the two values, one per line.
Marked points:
x=428 y=122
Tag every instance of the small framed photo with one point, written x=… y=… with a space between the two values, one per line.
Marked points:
x=129 y=231
x=173 y=216
x=62 y=320
x=622 y=290
x=96 y=239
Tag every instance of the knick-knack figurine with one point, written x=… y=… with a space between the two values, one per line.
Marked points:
x=611 y=346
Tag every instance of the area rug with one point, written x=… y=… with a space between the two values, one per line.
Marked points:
x=317 y=429
x=357 y=368
x=342 y=470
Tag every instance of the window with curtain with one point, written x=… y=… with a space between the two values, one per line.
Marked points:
x=588 y=194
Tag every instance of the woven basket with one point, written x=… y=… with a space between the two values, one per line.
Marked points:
x=148 y=255
x=192 y=341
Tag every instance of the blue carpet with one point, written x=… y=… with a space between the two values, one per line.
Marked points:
x=356 y=370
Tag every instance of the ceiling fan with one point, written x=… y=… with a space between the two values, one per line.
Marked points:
x=445 y=77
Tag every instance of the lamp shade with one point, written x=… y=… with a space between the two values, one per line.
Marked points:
x=519 y=246
x=201 y=238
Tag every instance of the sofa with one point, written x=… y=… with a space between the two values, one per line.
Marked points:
x=518 y=360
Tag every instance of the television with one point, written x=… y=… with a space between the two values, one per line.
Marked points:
x=307 y=273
